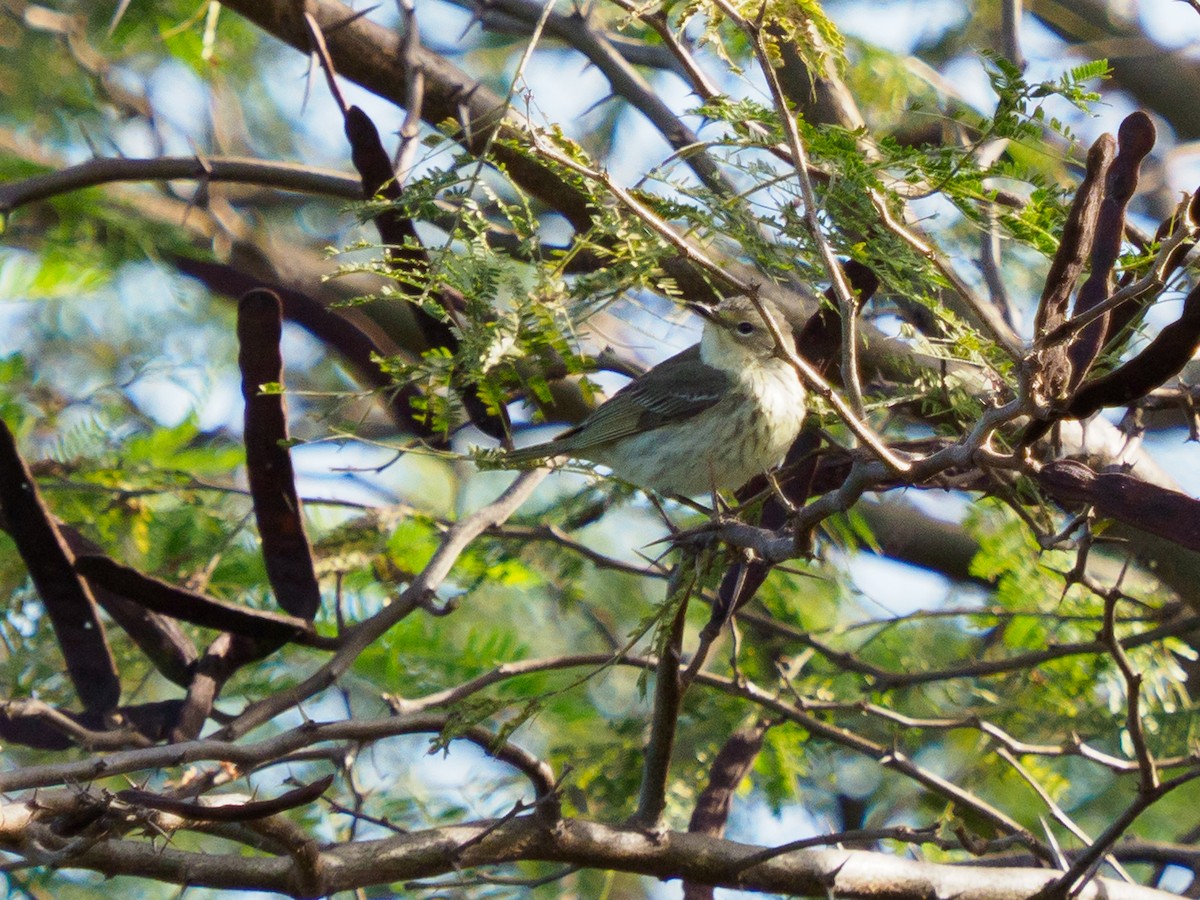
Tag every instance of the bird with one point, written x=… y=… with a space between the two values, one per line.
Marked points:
x=707 y=419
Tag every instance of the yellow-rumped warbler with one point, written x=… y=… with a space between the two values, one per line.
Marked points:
x=711 y=417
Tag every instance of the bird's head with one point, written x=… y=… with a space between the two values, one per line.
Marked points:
x=735 y=334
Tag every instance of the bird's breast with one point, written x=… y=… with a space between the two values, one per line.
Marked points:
x=780 y=401
x=745 y=433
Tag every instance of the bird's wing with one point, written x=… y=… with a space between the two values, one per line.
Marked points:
x=642 y=405
x=674 y=390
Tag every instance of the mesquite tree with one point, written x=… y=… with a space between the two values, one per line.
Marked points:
x=285 y=281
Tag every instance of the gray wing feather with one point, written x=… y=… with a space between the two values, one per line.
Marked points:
x=676 y=389
x=642 y=405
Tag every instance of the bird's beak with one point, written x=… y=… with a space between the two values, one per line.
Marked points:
x=703 y=311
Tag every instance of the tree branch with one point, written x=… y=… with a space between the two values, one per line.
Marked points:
x=849 y=874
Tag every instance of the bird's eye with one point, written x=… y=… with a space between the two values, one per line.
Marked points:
x=745 y=328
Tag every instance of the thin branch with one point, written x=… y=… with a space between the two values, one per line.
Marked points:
x=354 y=642
x=371 y=54
x=577 y=32
x=703 y=86
x=1021 y=662
x=988 y=317
x=902 y=833
x=1058 y=812
x=1076 y=747
x=990 y=264
x=553 y=534
x=232 y=169
x=321 y=51
x=251 y=755
x=69 y=726
x=1133 y=692
x=410 y=129
x=773 y=706
x=1075 y=880
x=847 y=304
x=1010 y=32
x=970 y=451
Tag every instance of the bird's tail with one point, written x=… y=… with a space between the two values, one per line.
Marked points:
x=535 y=453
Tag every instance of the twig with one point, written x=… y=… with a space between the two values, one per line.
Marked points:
x=700 y=83
x=232 y=169
x=321 y=50
x=491 y=880
x=969 y=451
x=625 y=80
x=410 y=129
x=846 y=302
x=1001 y=737
x=989 y=318
x=927 y=835
x=553 y=534
x=1133 y=688
x=247 y=756
x=990 y=266
x=1058 y=812
x=1075 y=877
x=367 y=632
